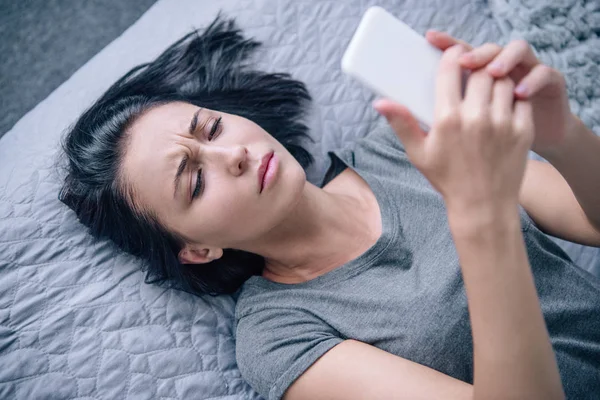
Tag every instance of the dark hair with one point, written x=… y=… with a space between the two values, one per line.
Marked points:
x=205 y=69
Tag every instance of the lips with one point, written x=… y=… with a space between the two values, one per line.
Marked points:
x=262 y=169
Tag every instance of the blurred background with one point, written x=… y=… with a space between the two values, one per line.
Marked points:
x=43 y=42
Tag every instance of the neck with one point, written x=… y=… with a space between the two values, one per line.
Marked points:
x=326 y=229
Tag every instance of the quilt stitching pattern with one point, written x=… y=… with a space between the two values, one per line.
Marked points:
x=76 y=319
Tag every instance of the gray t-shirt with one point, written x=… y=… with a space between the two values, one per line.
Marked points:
x=405 y=295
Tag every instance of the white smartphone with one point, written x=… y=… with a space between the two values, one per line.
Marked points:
x=394 y=61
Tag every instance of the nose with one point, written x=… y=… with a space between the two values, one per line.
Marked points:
x=233 y=158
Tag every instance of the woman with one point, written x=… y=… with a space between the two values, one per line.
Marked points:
x=354 y=289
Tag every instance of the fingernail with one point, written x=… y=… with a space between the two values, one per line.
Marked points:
x=521 y=90
x=496 y=66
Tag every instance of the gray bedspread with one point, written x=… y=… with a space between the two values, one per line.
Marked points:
x=77 y=320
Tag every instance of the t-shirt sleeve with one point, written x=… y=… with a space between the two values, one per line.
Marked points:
x=275 y=346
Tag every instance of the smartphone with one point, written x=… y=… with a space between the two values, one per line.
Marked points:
x=394 y=61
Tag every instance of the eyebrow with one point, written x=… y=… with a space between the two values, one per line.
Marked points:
x=194 y=122
x=184 y=160
x=178 y=174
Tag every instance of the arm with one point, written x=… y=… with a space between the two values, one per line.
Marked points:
x=577 y=159
x=551 y=203
x=513 y=357
x=565 y=200
x=355 y=371
x=475 y=155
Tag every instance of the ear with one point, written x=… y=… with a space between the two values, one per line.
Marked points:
x=194 y=254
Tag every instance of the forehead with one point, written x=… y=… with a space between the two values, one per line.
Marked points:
x=160 y=126
x=157 y=141
x=163 y=119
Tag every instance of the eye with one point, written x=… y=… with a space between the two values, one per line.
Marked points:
x=199 y=186
x=215 y=129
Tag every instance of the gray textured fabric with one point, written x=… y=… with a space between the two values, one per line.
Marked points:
x=405 y=294
x=564 y=34
x=76 y=319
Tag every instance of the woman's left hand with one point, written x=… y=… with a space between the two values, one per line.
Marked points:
x=544 y=86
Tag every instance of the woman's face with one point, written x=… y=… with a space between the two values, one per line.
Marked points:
x=203 y=183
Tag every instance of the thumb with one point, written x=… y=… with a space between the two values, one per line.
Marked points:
x=403 y=122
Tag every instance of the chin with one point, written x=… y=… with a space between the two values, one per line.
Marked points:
x=298 y=180
x=297 y=176
x=291 y=184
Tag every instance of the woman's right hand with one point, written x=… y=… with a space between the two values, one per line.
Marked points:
x=476 y=152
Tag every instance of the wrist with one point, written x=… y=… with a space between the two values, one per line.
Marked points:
x=492 y=218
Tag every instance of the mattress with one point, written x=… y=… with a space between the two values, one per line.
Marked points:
x=76 y=318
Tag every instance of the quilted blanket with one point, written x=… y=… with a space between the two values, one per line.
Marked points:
x=76 y=318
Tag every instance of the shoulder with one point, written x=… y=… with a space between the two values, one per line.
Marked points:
x=276 y=343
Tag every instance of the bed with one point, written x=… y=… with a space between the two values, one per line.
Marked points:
x=76 y=318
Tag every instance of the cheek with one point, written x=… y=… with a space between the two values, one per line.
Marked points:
x=227 y=210
x=229 y=206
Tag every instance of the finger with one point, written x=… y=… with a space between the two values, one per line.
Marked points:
x=480 y=56
x=517 y=52
x=443 y=41
x=448 y=82
x=478 y=94
x=523 y=120
x=403 y=122
x=541 y=76
x=502 y=99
